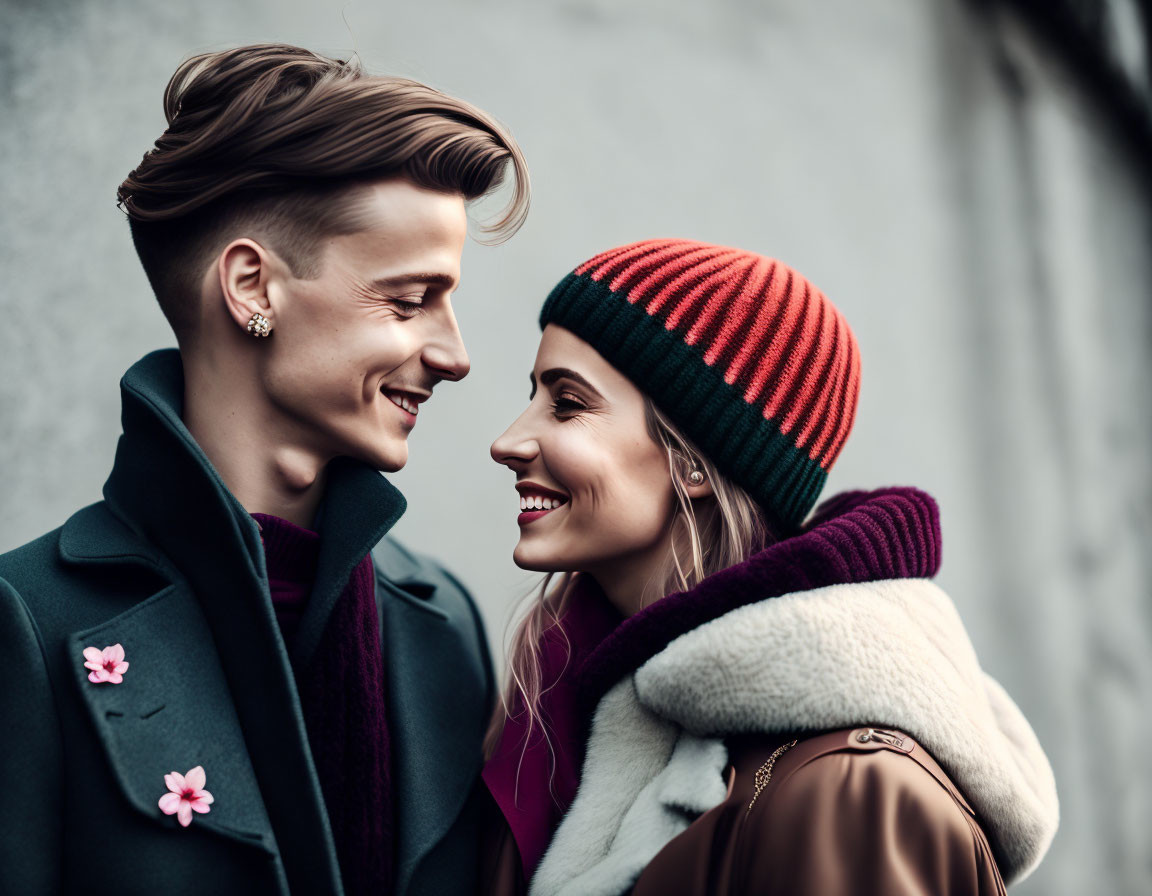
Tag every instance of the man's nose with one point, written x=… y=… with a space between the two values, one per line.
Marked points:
x=445 y=353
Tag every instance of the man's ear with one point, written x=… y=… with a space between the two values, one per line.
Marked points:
x=244 y=268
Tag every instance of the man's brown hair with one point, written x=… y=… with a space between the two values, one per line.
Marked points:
x=277 y=138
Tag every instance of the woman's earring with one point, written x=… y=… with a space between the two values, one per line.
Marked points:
x=696 y=477
x=258 y=325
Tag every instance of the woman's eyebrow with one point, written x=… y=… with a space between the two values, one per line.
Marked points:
x=549 y=376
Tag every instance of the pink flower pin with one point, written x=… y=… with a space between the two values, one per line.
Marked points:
x=106 y=665
x=186 y=795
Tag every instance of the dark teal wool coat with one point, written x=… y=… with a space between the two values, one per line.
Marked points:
x=171 y=566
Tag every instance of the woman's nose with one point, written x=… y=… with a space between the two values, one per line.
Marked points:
x=515 y=447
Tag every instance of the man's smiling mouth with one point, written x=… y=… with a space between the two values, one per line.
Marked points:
x=403 y=400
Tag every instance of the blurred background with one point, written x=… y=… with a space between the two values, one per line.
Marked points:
x=968 y=181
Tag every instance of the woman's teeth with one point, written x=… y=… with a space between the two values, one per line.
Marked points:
x=539 y=502
x=406 y=403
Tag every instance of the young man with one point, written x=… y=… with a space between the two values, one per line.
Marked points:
x=214 y=689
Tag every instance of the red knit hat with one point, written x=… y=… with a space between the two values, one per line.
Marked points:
x=747 y=357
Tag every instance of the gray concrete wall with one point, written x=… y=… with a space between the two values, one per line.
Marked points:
x=931 y=168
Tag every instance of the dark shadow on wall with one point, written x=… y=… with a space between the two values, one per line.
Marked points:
x=1049 y=130
x=1107 y=44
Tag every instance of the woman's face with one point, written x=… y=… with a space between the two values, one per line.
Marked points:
x=594 y=488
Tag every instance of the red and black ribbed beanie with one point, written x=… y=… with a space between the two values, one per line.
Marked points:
x=742 y=353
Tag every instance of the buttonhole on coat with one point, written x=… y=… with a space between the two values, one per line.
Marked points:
x=152 y=712
x=110 y=713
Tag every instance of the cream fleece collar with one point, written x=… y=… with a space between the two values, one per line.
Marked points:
x=890 y=653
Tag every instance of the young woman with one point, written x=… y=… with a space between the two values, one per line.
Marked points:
x=715 y=696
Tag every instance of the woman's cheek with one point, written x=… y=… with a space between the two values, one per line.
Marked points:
x=611 y=524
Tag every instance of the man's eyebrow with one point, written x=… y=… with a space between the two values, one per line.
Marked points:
x=447 y=281
x=548 y=377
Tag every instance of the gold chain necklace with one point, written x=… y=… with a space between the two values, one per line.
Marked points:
x=764 y=773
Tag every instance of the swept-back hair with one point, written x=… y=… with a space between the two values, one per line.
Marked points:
x=278 y=139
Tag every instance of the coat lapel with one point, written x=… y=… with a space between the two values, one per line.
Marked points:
x=431 y=699
x=164 y=489
x=644 y=781
x=172 y=712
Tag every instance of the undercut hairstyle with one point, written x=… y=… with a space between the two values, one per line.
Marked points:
x=275 y=142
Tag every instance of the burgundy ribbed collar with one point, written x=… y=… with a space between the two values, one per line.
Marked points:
x=856 y=536
x=291 y=552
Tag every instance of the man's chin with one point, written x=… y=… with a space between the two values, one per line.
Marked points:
x=390 y=461
x=390 y=465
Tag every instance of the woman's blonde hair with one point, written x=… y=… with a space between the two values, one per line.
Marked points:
x=705 y=539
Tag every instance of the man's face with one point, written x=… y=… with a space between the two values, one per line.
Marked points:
x=355 y=351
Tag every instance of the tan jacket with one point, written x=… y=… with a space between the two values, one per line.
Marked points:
x=859 y=811
x=855 y=811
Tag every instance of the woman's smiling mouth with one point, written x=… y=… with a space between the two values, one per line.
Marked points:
x=537 y=501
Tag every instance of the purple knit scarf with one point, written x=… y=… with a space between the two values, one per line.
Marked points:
x=535 y=786
x=342 y=696
x=858 y=536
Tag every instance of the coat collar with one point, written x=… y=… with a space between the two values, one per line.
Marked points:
x=171 y=512
x=892 y=653
x=164 y=487
x=856 y=536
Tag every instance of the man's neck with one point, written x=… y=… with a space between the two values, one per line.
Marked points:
x=251 y=447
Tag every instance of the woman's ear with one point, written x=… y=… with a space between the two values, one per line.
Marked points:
x=697 y=484
x=244 y=268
